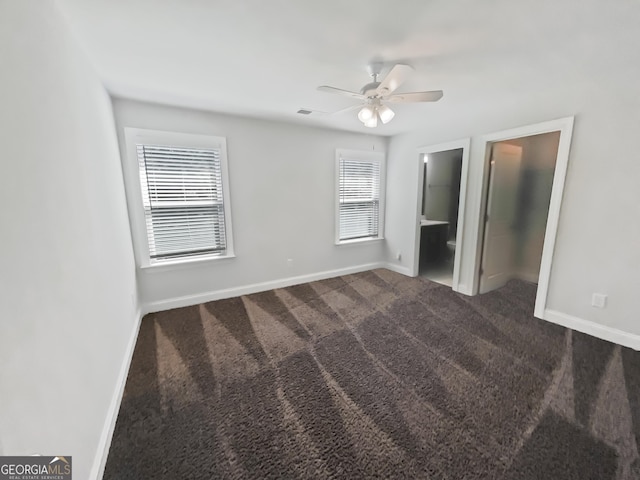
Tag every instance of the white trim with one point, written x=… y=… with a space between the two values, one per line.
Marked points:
x=184 y=263
x=465 y=145
x=465 y=289
x=199 y=298
x=555 y=205
x=130 y=170
x=358 y=241
x=565 y=127
x=603 y=332
x=399 y=269
x=362 y=156
x=102 y=452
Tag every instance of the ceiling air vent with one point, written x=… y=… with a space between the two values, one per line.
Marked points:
x=303 y=111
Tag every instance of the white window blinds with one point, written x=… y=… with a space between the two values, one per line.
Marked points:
x=183 y=201
x=359 y=199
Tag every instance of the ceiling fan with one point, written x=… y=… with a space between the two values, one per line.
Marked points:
x=375 y=95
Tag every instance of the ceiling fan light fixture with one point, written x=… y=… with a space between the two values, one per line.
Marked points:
x=386 y=114
x=372 y=122
x=366 y=114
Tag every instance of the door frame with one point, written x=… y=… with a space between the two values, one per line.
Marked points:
x=465 y=145
x=565 y=127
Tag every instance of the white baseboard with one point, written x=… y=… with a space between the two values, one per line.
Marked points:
x=100 y=461
x=196 y=299
x=399 y=269
x=610 y=334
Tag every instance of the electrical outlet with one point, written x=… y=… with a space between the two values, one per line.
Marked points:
x=289 y=262
x=398 y=255
x=599 y=300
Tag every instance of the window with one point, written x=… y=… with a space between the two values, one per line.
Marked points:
x=359 y=176
x=182 y=181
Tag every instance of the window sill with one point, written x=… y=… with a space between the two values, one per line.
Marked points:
x=359 y=241
x=183 y=263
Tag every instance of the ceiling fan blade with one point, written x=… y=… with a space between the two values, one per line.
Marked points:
x=348 y=109
x=339 y=91
x=398 y=74
x=432 y=96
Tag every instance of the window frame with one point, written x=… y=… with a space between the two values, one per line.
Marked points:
x=138 y=136
x=367 y=157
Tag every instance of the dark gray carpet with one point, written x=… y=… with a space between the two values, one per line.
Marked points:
x=375 y=375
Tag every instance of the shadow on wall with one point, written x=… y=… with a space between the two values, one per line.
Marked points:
x=532 y=197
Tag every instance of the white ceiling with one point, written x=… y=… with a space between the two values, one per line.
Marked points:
x=266 y=58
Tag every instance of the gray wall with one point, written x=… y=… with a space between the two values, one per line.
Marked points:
x=68 y=296
x=282 y=188
x=598 y=233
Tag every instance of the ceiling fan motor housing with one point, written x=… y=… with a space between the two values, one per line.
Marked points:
x=369 y=90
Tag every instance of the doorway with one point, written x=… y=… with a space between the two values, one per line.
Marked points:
x=521 y=172
x=474 y=229
x=439 y=214
x=442 y=171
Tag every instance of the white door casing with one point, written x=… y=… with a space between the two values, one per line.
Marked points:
x=465 y=145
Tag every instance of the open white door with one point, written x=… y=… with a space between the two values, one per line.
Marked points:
x=497 y=250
